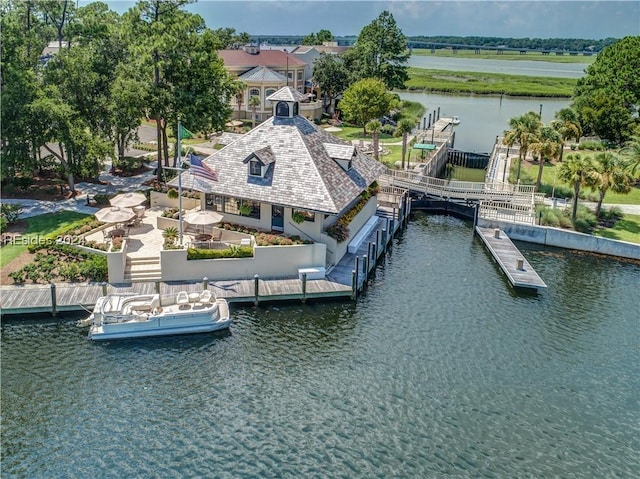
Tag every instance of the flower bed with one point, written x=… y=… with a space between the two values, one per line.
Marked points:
x=266 y=238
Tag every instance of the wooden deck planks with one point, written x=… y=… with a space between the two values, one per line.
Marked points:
x=37 y=298
x=507 y=256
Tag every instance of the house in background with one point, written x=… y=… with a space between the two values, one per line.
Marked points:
x=309 y=54
x=289 y=175
x=264 y=72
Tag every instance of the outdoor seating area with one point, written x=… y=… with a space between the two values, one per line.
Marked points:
x=145 y=239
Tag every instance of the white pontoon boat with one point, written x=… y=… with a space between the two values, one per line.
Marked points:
x=117 y=316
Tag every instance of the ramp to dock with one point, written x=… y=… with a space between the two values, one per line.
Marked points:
x=518 y=270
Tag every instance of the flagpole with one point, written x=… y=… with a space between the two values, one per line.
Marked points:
x=179 y=186
x=180 y=170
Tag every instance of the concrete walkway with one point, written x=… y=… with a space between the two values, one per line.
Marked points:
x=113 y=185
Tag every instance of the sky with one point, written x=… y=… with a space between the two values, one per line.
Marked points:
x=508 y=18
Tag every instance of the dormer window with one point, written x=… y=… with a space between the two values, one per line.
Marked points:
x=341 y=154
x=255 y=168
x=259 y=162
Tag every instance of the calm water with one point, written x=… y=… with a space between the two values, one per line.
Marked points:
x=440 y=369
x=483 y=117
x=509 y=67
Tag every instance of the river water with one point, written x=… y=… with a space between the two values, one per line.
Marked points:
x=485 y=117
x=482 y=118
x=440 y=369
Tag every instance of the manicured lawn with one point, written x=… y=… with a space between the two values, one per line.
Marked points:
x=351 y=133
x=49 y=224
x=489 y=83
x=506 y=55
x=549 y=178
x=626 y=229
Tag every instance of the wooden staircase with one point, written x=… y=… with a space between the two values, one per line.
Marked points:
x=140 y=269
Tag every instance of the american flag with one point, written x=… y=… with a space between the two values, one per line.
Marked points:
x=201 y=169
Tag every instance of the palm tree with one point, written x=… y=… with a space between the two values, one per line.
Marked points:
x=405 y=126
x=568 y=125
x=524 y=131
x=631 y=154
x=608 y=174
x=239 y=87
x=548 y=145
x=254 y=102
x=374 y=127
x=575 y=170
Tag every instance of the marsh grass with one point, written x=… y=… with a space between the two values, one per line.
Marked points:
x=489 y=83
x=506 y=55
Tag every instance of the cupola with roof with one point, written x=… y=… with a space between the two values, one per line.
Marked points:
x=286 y=102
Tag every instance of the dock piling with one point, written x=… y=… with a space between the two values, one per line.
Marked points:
x=256 y=288
x=304 y=287
x=54 y=311
x=205 y=283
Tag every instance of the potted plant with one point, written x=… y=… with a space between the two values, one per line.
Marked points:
x=244 y=209
x=170 y=235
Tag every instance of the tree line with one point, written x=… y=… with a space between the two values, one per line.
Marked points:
x=71 y=111
x=418 y=41
x=550 y=44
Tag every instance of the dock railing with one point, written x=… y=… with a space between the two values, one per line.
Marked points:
x=512 y=212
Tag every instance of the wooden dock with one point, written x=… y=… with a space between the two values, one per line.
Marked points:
x=344 y=281
x=518 y=270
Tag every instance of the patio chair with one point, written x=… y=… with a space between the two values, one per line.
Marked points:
x=182 y=298
x=205 y=296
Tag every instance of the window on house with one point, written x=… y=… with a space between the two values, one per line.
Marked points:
x=300 y=73
x=255 y=169
x=269 y=92
x=252 y=207
x=254 y=92
x=307 y=215
x=214 y=202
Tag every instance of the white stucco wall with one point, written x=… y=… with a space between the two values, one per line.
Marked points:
x=162 y=200
x=268 y=261
x=117 y=262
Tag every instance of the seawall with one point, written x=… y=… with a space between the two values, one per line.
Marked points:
x=560 y=238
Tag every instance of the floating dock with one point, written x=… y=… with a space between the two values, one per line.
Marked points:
x=518 y=270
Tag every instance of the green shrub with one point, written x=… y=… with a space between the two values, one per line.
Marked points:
x=549 y=218
x=17 y=276
x=10 y=212
x=172 y=194
x=3 y=224
x=235 y=251
x=101 y=199
x=338 y=231
x=591 y=145
x=70 y=272
x=94 y=268
x=582 y=225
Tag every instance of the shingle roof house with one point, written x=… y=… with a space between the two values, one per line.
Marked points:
x=286 y=164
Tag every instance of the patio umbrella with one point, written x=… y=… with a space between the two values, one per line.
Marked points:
x=128 y=200
x=203 y=217
x=233 y=123
x=114 y=214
